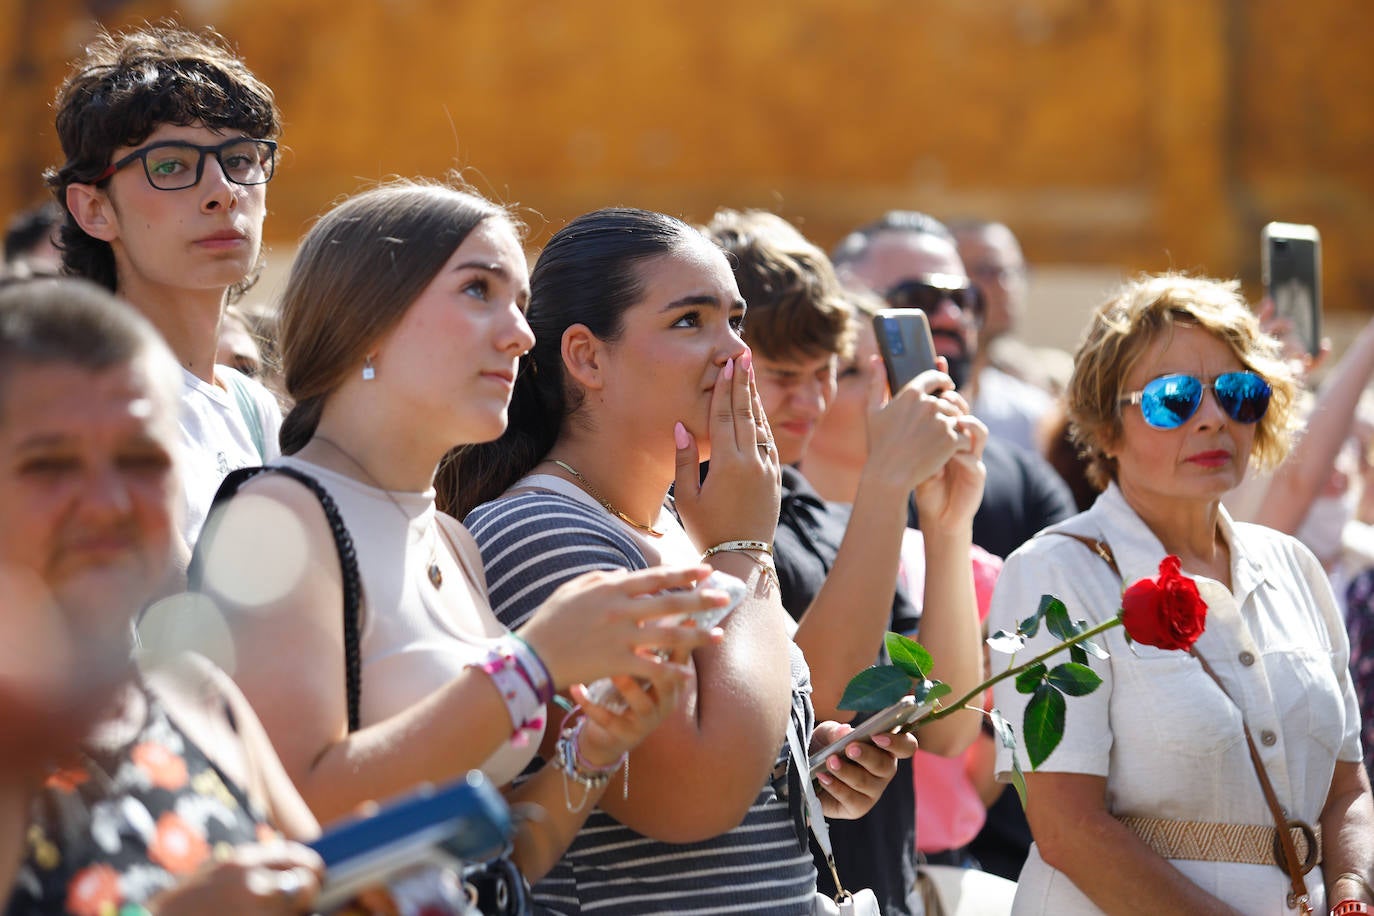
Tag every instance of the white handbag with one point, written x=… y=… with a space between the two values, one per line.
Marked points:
x=951 y=891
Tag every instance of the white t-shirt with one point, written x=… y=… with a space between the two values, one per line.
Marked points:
x=217 y=438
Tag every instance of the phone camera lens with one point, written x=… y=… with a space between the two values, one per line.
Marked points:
x=895 y=345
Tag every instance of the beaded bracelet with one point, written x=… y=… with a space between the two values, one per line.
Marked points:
x=568 y=758
x=523 y=702
x=532 y=667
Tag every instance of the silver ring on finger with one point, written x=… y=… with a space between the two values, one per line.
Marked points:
x=289 y=883
x=766 y=446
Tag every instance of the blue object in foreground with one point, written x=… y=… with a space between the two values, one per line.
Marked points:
x=462 y=822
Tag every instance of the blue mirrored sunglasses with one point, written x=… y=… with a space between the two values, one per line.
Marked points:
x=1168 y=401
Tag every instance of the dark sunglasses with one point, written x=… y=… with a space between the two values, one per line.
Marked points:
x=928 y=293
x=173 y=165
x=1168 y=401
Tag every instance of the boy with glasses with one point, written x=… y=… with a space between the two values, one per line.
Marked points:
x=168 y=144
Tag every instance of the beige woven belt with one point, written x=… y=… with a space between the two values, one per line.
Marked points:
x=1251 y=844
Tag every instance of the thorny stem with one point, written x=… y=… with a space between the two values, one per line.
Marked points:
x=976 y=692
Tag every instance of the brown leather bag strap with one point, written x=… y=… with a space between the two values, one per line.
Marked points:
x=1099 y=547
x=1297 y=898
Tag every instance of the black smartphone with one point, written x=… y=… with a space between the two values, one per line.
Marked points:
x=903 y=712
x=905 y=344
x=1291 y=265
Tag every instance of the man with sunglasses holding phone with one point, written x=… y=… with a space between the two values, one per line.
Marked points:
x=168 y=144
x=910 y=259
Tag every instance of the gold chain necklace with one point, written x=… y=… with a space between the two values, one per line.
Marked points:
x=436 y=575
x=650 y=530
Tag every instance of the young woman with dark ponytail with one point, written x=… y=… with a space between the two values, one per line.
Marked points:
x=401 y=326
x=638 y=374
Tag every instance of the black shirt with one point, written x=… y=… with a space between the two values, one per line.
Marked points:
x=878 y=850
x=1022 y=496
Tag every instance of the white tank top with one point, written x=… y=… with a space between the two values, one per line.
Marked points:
x=415 y=638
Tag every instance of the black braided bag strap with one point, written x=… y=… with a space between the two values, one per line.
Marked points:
x=348 y=566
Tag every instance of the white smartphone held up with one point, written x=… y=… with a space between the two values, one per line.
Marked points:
x=905 y=344
x=1291 y=265
x=604 y=693
x=903 y=712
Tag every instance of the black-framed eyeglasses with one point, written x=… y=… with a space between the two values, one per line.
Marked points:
x=928 y=292
x=1169 y=401
x=173 y=165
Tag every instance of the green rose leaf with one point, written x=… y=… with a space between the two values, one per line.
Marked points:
x=1018 y=781
x=1005 y=733
x=1074 y=679
x=1008 y=738
x=1076 y=654
x=1044 y=723
x=1094 y=649
x=1031 y=625
x=931 y=690
x=1057 y=618
x=875 y=688
x=1006 y=643
x=909 y=655
x=1028 y=681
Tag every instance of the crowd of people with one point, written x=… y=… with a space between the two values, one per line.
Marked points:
x=438 y=511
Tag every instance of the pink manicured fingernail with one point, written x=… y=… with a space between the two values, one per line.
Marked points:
x=882 y=740
x=680 y=436
x=746 y=362
x=834 y=763
x=824 y=779
x=852 y=752
x=729 y=371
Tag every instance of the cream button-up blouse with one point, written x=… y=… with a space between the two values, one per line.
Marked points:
x=1167 y=740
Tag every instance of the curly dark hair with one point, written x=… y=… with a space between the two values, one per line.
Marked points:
x=126 y=86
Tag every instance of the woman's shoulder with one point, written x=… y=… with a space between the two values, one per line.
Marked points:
x=1271 y=551
x=537 y=520
x=1256 y=538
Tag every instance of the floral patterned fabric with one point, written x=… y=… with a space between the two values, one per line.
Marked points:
x=1359 y=619
x=112 y=830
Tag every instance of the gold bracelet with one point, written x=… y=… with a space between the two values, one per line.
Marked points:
x=1359 y=879
x=741 y=546
x=763 y=561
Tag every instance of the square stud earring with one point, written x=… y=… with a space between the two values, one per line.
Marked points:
x=369 y=373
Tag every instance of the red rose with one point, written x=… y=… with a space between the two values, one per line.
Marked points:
x=1166 y=612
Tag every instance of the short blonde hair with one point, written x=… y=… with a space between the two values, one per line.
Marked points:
x=1124 y=326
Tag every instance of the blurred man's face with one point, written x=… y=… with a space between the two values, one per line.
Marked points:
x=994 y=262
x=898 y=257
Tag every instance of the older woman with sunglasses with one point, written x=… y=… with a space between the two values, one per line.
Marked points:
x=1151 y=803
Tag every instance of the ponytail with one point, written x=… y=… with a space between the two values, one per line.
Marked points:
x=298 y=426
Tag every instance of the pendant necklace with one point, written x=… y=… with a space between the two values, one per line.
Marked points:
x=436 y=575
x=650 y=530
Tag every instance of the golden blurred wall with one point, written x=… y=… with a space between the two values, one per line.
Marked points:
x=1129 y=134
